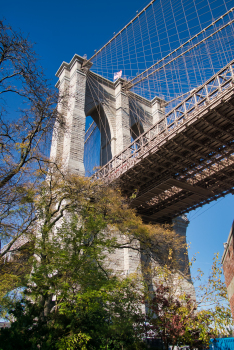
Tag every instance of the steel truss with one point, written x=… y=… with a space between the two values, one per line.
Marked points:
x=186 y=159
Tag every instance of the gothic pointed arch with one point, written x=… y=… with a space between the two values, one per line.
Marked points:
x=102 y=122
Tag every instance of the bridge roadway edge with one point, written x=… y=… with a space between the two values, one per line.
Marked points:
x=205 y=137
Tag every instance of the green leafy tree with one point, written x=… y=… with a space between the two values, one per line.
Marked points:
x=74 y=295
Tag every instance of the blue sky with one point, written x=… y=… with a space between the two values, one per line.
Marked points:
x=62 y=28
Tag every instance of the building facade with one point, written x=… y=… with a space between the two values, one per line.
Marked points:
x=228 y=267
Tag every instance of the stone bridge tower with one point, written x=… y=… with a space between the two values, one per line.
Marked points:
x=114 y=112
x=110 y=107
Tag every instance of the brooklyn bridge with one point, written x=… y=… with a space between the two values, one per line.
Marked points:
x=166 y=133
x=184 y=160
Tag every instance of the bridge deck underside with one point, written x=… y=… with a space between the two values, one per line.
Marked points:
x=190 y=168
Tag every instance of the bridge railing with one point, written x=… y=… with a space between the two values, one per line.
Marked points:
x=149 y=140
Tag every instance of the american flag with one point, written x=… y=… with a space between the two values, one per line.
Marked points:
x=117 y=75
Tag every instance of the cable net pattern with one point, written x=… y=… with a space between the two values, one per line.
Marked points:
x=169 y=49
x=162 y=28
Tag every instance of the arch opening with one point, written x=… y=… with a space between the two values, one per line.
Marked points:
x=97 y=147
x=135 y=131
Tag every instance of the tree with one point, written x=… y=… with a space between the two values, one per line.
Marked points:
x=25 y=131
x=178 y=319
x=80 y=224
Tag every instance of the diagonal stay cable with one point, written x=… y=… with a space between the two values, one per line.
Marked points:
x=133 y=82
x=116 y=35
